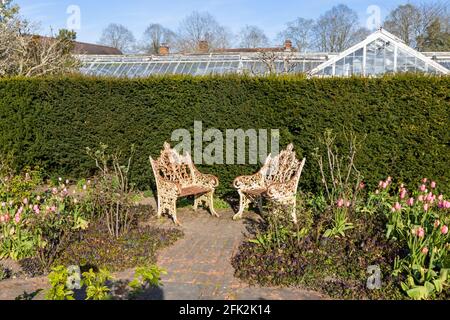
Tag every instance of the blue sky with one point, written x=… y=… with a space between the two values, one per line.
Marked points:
x=270 y=15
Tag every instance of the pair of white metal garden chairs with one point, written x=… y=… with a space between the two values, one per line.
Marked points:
x=176 y=176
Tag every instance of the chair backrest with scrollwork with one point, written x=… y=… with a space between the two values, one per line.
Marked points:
x=172 y=166
x=281 y=168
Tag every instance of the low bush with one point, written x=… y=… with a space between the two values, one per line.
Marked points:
x=36 y=223
x=69 y=283
x=137 y=247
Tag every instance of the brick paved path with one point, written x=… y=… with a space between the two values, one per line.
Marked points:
x=199 y=265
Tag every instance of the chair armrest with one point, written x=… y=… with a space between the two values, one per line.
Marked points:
x=207 y=180
x=168 y=188
x=254 y=181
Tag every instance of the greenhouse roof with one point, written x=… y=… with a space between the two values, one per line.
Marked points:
x=380 y=53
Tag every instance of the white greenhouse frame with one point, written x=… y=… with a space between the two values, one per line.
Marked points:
x=384 y=35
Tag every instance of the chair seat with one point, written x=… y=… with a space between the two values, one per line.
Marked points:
x=193 y=190
x=255 y=192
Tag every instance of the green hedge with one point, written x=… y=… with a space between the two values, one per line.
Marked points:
x=50 y=121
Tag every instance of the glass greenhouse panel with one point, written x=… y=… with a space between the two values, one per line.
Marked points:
x=380 y=57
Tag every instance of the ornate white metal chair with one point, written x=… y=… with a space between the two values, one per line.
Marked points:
x=176 y=176
x=276 y=181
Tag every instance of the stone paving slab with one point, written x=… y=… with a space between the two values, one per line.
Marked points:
x=198 y=265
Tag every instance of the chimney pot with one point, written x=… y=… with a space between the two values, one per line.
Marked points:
x=164 y=49
x=288 y=45
x=203 y=46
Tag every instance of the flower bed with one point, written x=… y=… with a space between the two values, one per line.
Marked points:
x=46 y=225
x=402 y=233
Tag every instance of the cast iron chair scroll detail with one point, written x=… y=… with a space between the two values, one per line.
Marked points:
x=277 y=181
x=176 y=176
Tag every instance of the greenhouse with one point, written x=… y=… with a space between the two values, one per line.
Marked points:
x=380 y=53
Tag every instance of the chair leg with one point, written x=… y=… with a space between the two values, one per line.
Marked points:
x=243 y=203
x=174 y=212
x=159 y=208
x=169 y=205
x=196 y=202
x=211 y=204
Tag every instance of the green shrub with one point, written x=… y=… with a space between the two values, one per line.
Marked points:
x=50 y=121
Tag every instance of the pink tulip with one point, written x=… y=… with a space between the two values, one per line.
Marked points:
x=20 y=210
x=389 y=179
x=447 y=204
x=420 y=198
x=397 y=207
x=380 y=184
x=54 y=190
x=2 y=219
x=424 y=180
x=420 y=232
x=425 y=207
x=410 y=202
x=384 y=185
x=340 y=203
x=348 y=204
x=444 y=230
x=433 y=185
x=403 y=194
x=425 y=250
x=25 y=201
x=17 y=218
x=53 y=209
x=36 y=209
x=423 y=188
x=362 y=185
x=6 y=217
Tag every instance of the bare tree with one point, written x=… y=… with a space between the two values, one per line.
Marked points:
x=410 y=22
x=337 y=29
x=25 y=54
x=272 y=62
x=201 y=26
x=154 y=36
x=252 y=37
x=119 y=37
x=299 y=32
x=404 y=22
x=7 y=10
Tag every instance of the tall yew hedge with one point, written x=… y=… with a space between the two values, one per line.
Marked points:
x=50 y=121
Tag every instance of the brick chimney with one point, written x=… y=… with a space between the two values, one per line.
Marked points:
x=288 y=45
x=203 y=46
x=164 y=50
